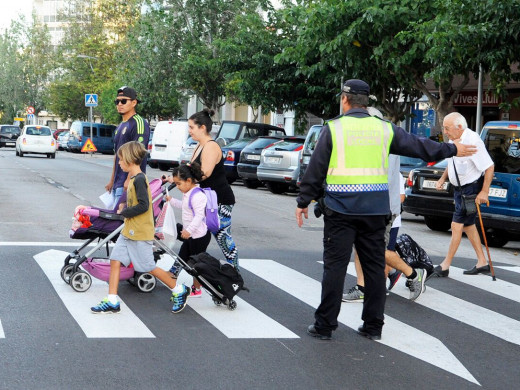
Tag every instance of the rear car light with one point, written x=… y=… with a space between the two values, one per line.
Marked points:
x=431 y=163
x=79 y=138
x=230 y=156
x=52 y=142
x=24 y=141
x=512 y=126
x=298 y=148
x=409 y=182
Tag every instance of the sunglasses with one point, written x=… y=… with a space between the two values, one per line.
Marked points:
x=121 y=101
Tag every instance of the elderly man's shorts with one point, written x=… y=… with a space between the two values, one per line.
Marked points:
x=459 y=216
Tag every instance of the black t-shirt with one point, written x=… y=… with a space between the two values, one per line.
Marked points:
x=218 y=181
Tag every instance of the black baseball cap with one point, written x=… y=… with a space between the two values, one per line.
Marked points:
x=127 y=92
x=355 y=87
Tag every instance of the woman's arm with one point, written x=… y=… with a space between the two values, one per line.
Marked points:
x=210 y=156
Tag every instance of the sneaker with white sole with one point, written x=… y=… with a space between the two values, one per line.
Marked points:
x=394 y=277
x=417 y=286
x=179 y=299
x=195 y=292
x=106 y=307
x=354 y=295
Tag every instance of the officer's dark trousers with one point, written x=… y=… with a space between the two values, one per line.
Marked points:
x=340 y=233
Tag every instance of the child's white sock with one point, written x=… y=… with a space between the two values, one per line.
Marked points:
x=178 y=288
x=113 y=299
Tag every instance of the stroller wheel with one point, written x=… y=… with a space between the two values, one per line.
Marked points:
x=80 y=281
x=145 y=282
x=66 y=272
x=217 y=302
x=232 y=305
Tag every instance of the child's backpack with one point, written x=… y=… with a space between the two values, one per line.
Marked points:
x=212 y=220
x=412 y=253
x=220 y=274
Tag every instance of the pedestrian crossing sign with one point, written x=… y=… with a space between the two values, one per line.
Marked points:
x=91 y=100
x=88 y=147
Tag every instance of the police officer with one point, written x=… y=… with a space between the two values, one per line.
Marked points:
x=351 y=155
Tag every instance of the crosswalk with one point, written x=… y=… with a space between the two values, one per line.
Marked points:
x=248 y=322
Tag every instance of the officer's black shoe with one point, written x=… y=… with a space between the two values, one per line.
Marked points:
x=363 y=332
x=311 y=331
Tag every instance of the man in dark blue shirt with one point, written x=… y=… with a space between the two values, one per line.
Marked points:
x=355 y=214
x=132 y=128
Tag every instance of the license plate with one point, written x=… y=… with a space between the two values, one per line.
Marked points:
x=430 y=184
x=498 y=192
x=273 y=160
x=160 y=148
x=254 y=157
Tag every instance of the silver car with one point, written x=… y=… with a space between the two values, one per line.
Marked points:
x=280 y=165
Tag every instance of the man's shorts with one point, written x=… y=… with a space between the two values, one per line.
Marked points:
x=390 y=245
x=139 y=253
x=459 y=216
x=388 y=231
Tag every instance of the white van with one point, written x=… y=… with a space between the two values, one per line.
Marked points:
x=168 y=138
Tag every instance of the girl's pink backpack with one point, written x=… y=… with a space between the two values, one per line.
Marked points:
x=212 y=220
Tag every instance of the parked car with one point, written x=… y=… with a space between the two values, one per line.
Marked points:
x=57 y=132
x=409 y=163
x=231 y=154
x=8 y=135
x=233 y=130
x=187 y=150
x=102 y=136
x=63 y=139
x=280 y=165
x=37 y=140
x=502 y=218
x=308 y=148
x=149 y=148
x=250 y=159
x=169 y=136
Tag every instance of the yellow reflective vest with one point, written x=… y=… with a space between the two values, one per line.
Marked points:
x=359 y=157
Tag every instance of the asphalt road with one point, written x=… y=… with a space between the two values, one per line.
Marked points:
x=463 y=332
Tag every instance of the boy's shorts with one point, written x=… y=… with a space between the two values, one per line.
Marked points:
x=139 y=253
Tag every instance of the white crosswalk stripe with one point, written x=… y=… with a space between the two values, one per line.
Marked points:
x=2 y=334
x=417 y=343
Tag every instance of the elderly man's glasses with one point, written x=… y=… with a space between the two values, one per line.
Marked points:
x=121 y=101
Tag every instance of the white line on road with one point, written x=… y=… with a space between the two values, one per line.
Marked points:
x=512 y=269
x=417 y=343
x=122 y=325
x=244 y=322
x=2 y=334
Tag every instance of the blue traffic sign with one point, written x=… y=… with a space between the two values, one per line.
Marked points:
x=91 y=100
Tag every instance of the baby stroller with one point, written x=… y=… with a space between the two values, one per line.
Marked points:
x=105 y=226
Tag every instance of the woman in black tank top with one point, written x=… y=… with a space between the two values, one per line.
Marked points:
x=209 y=155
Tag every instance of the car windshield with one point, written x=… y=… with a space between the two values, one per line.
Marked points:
x=312 y=138
x=289 y=145
x=10 y=130
x=229 y=130
x=261 y=143
x=238 y=144
x=411 y=162
x=504 y=149
x=37 y=130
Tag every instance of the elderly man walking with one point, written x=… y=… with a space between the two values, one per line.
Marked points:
x=475 y=174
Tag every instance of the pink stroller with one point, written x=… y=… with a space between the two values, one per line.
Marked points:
x=105 y=226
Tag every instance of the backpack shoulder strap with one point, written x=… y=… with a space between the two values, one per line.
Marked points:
x=193 y=192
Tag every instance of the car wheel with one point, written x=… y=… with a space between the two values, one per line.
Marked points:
x=231 y=181
x=16 y=152
x=53 y=155
x=20 y=154
x=438 y=224
x=164 y=167
x=153 y=165
x=251 y=183
x=276 y=188
x=496 y=238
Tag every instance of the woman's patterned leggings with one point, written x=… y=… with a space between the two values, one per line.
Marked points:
x=223 y=236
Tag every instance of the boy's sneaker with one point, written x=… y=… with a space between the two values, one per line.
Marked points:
x=195 y=292
x=417 y=286
x=353 y=295
x=179 y=299
x=393 y=279
x=105 y=306
x=175 y=270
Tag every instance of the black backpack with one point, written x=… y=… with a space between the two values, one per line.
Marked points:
x=412 y=253
x=220 y=274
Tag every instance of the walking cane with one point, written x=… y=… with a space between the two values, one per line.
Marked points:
x=485 y=241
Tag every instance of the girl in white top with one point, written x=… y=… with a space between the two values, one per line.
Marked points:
x=193 y=232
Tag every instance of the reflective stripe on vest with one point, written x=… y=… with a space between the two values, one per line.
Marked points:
x=360 y=148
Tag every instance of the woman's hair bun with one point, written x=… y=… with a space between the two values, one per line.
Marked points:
x=209 y=111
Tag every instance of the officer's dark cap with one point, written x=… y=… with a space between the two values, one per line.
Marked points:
x=355 y=87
